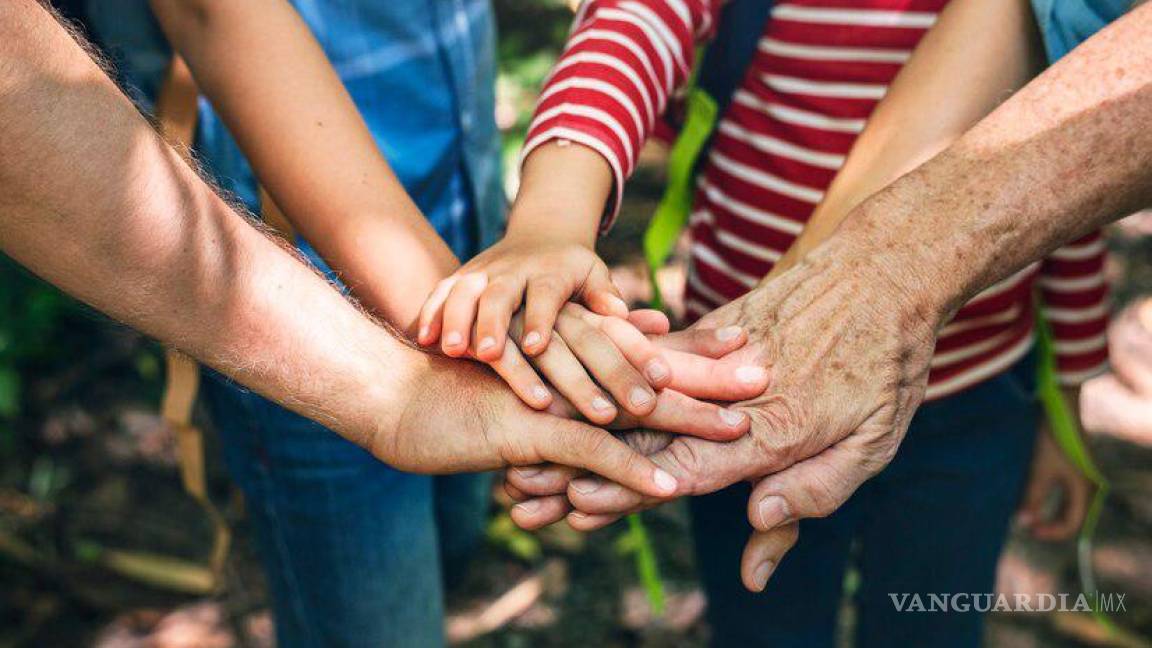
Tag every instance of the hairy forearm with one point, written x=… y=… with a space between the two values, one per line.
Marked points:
x=113 y=216
x=1068 y=153
x=946 y=87
x=274 y=87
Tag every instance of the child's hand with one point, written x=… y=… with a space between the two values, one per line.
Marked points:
x=1056 y=498
x=472 y=309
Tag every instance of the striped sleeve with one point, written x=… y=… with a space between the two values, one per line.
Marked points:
x=622 y=62
x=1074 y=292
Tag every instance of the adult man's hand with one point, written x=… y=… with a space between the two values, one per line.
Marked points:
x=848 y=355
x=458 y=416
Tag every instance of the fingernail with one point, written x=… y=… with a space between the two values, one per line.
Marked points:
x=423 y=334
x=601 y=404
x=656 y=371
x=664 y=481
x=455 y=339
x=773 y=511
x=732 y=417
x=527 y=472
x=530 y=506
x=532 y=339
x=486 y=343
x=640 y=396
x=760 y=576
x=541 y=393
x=585 y=486
x=578 y=515
x=749 y=375
x=728 y=333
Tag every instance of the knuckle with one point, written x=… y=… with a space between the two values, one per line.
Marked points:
x=778 y=429
x=594 y=443
x=547 y=285
x=684 y=456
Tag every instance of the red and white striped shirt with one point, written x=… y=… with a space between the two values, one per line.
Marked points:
x=820 y=69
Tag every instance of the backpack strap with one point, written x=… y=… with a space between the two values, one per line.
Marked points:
x=176 y=113
x=720 y=69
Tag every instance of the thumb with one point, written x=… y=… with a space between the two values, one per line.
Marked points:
x=698 y=466
x=582 y=446
x=601 y=295
x=814 y=487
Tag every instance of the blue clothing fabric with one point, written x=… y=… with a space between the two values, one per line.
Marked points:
x=422 y=73
x=357 y=553
x=1064 y=24
x=934 y=521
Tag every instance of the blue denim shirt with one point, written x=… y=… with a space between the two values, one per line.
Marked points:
x=422 y=73
x=1064 y=24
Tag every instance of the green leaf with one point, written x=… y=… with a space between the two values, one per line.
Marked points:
x=646 y=565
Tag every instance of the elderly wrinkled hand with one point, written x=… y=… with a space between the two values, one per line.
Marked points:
x=847 y=352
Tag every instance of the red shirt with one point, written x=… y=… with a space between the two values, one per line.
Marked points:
x=820 y=69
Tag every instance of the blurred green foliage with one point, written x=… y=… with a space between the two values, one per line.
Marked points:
x=33 y=318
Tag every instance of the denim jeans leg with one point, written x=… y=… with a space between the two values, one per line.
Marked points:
x=941 y=512
x=462 y=506
x=349 y=544
x=799 y=606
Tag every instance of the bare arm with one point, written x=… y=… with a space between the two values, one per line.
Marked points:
x=947 y=86
x=1068 y=153
x=271 y=82
x=112 y=215
x=849 y=331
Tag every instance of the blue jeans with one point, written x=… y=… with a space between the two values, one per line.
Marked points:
x=356 y=552
x=933 y=522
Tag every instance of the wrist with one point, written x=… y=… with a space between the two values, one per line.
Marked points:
x=890 y=272
x=389 y=392
x=564 y=191
x=914 y=264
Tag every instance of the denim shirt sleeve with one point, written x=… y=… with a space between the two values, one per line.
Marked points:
x=1064 y=24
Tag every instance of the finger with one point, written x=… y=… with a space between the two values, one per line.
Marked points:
x=493 y=315
x=1068 y=519
x=584 y=522
x=582 y=446
x=431 y=313
x=593 y=495
x=763 y=553
x=650 y=321
x=564 y=371
x=541 y=480
x=460 y=313
x=814 y=487
x=601 y=295
x=540 y=512
x=597 y=353
x=638 y=350
x=1028 y=514
x=699 y=467
x=514 y=493
x=515 y=370
x=544 y=298
x=734 y=377
x=681 y=414
x=711 y=343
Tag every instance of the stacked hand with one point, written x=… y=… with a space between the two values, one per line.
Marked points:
x=847 y=361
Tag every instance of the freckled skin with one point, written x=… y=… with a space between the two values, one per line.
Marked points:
x=848 y=331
